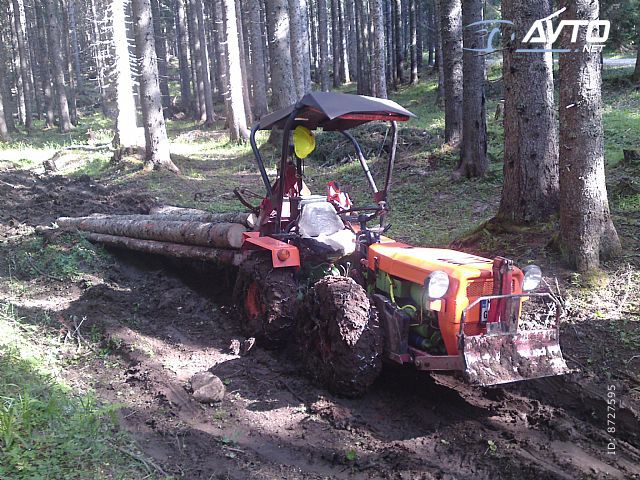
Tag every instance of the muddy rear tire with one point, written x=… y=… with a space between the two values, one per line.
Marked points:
x=266 y=300
x=339 y=336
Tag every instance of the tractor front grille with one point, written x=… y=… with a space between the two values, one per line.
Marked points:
x=481 y=288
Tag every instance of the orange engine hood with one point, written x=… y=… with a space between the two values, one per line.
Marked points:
x=415 y=263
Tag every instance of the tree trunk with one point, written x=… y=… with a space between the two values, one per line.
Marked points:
x=345 y=73
x=4 y=129
x=335 y=43
x=313 y=32
x=364 y=70
x=473 y=154
x=19 y=22
x=126 y=125
x=636 y=72
x=182 y=45
x=259 y=84
x=283 y=89
x=34 y=61
x=7 y=104
x=98 y=57
x=204 y=65
x=397 y=20
x=155 y=133
x=249 y=220
x=244 y=72
x=451 y=28
x=530 y=192
x=161 y=55
x=587 y=233
x=56 y=52
x=75 y=44
x=299 y=45
x=323 y=40
x=222 y=235
x=413 y=46
x=68 y=61
x=236 y=119
x=438 y=61
x=378 y=74
x=196 y=60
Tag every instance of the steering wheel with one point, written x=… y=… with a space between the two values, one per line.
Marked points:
x=363 y=218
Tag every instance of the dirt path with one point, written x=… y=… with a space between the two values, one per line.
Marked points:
x=160 y=324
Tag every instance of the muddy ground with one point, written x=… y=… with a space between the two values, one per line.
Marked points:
x=153 y=324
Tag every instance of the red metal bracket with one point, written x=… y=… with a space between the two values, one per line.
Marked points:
x=282 y=254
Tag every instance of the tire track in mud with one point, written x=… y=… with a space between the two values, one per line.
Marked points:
x=278 y=425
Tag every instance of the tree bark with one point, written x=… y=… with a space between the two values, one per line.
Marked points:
x=175 y=250
x=56 y=51
x=68 y=61
x=204 y=65
x=587 y=233
x=19 y=22
x=636 y=71
x=222 y=235
x=300 y=55
x=336 y=44
x=323 y=40
x=397 y=20
x=259 y=81
x=193 y=214
x=378 y=73
x=182 y=44
x=4 y=129
x=155 y=133
x=161 y=55
x=283 y=90
x=196 y=60
x=438 y=61
x=364 y=42
x=126 y=125
x=473 y=154
x=345 y=73
x=236 y=118
x=451 y=28
x=413 y=45
x=530 y=192
x=244 y=71
x=98 y=56
x=75 y=44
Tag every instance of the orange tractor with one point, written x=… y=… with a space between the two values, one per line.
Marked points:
x=321 y=270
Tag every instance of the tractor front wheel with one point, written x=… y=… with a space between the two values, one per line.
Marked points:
x=339 y=336
x=266 y=299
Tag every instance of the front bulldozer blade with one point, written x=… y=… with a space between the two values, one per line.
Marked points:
x=492 y=359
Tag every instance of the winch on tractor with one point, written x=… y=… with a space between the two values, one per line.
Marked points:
x=321 y=270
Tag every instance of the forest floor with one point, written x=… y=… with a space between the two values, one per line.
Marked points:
x=113 y=337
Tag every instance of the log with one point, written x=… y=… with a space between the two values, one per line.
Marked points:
x=244 y=218
x=221 y=235
x=204 y=217
x=207 y=254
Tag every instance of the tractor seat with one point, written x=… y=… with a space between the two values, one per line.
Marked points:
x=319 y=221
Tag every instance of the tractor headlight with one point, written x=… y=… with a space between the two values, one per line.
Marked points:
x=436 y=285
x=532 y=278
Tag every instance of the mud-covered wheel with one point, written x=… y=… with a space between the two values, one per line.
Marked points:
x=266 y=299
x=339 y=336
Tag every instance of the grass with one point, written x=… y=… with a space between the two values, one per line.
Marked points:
x=48 y=429
x=65 y=258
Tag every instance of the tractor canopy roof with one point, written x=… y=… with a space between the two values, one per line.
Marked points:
x=336 y=111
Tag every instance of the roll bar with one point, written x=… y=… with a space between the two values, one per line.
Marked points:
x=276 y=197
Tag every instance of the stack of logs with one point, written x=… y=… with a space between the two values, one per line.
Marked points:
x=172 y=231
